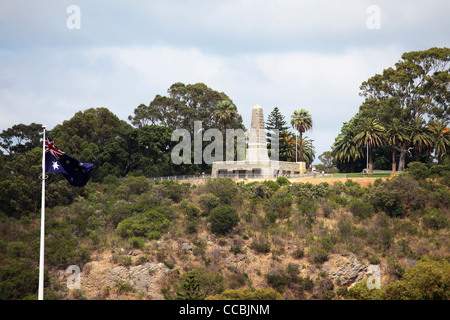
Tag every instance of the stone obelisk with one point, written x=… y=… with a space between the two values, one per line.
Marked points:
x=257 y=143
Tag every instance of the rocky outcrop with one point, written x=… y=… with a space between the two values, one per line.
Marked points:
x=344 y=269
x=145 y=278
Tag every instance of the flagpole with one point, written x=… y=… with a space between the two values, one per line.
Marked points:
x=41 y=252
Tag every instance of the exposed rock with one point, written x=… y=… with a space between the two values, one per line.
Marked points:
x=346 y=269
x=187 y=246
x=144 y=278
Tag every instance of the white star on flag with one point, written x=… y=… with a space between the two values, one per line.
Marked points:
x=55 y=165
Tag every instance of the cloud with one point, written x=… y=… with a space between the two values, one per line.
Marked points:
x=285 y=53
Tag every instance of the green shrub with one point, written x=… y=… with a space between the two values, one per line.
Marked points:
x=418 y=170
x=283 y=181
x=132 y=186
x=398 y=196
x=317 y=255
x=207 y=202
x=434 y=220
x=261 y=190
x=174 y=190
x=360 y=209
x=137 y=242
x=148 y=224
x=260 y=246
x=427 y=280
x=209 y=282
x=277 y=281
x=247 y=294
x=225 y=189
x=223 y=219
x=281 y=207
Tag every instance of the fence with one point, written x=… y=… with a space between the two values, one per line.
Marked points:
x=247 y=176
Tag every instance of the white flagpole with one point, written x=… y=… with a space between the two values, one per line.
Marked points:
x=41 y=253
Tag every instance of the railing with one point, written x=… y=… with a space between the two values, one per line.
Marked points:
x=247 y=176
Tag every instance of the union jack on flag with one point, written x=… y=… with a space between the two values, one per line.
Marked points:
x=50 y=147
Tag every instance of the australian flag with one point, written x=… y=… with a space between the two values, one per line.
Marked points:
x=57 y=161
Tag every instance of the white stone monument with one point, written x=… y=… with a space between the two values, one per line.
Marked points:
x=257 y=163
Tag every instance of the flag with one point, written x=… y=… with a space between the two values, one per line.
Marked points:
x=57 y=161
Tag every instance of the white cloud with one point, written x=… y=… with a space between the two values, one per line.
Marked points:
x=285 y=53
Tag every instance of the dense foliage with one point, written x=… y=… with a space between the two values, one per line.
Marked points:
x=397 y=220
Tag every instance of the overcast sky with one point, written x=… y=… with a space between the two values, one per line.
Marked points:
x=286 y=53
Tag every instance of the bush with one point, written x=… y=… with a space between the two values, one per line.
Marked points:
x=132 y=186
x=360 y=209
x=225 y=189
x=281 y=207
x=261 y=246
x=398 y=196
x=418 y=170
x=283 y=181
x=209 y=282
x=277 y=281
x=148 y=224
x=427 y=280
x=434 y=220
x=207 y=202
x=247 y=294
x=223 y=219
x=260 y=190
x=317 y=255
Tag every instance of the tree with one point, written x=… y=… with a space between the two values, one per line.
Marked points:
x=225 y=113
x=327 y=161
x=90 y=129
x=20 y=138
x=371 y=134
x=346 y=154
x=191 y=289
x=223 y=219
x=397 y=135
x=416 y=87
x=420 y=136
x=146 y=149
x=183 y=105
x=441 y=137
x=292 y=148
x=418 y=82
x=301 y=121
x=275 y=121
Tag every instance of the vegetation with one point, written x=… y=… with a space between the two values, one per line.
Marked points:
x=280 y=233
x=222 y=239
x=392 y=117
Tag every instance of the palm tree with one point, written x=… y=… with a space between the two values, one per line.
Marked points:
x=301 y=121
x=441 y=137
x=371 y=134
x=396 y=134
x=345 y=150
x=420 y=136
x=225 y=113
x=292 y=149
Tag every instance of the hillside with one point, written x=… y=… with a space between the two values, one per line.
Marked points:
x=138 y=239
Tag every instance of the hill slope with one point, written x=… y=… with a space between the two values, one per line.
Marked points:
x=138 y=239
